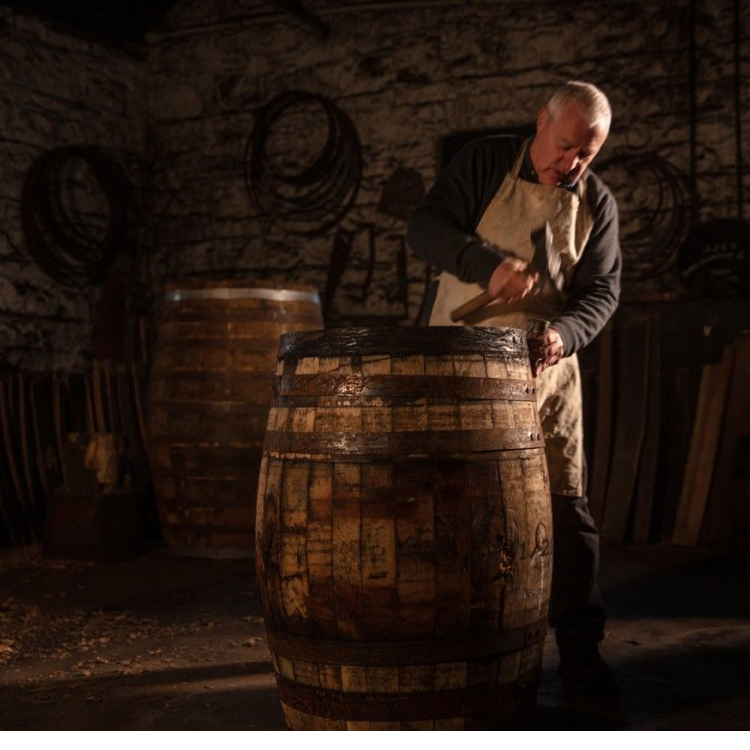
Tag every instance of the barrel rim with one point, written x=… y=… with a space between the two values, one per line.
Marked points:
x=230 y=293
x=405 y=341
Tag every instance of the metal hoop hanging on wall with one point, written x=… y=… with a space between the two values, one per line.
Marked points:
x=61 y=246
x=649 y=248
x=320 y=194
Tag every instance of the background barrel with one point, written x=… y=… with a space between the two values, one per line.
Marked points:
x=209 y=393
x=404 y=530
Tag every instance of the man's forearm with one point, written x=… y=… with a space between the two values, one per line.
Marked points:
x=437 y=239
x=583 y=317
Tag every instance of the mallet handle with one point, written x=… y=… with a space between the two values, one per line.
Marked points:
x=471 y=306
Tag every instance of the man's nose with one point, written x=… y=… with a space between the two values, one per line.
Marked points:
x=571 y=160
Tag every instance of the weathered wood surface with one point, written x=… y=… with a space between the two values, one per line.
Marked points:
x=403 y=586
x=729 y=502
x=649 y=463
x=633 y=349
x=208 y=400
x=604 y=423
x=699 y=471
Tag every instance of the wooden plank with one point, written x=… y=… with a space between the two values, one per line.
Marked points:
x=378 y=551
x=24 y=439
x=38 y=412
x=10 y=510
x=295 y=590
x=114 y=420
x=644 y=493
x=727 y=486
x=633 y=350
x=100 y=419
x=26 y=523
x=680 y=399
x=700 y=465
x=319 y=548
x=604 y=414
x=136 y=374
x=57 y=415
x=345 y=546
x=8 y=531
x=89 y=410
x=136 y=452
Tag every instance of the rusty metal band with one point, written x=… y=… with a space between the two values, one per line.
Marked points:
x=475 y=646
x=406 y=386
x=412 y=442
x=395 y=459
x=438 y=704
x=222 y=293
x=506 y=343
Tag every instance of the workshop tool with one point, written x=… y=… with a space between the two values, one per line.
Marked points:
x=535 y=329
x=543 y=262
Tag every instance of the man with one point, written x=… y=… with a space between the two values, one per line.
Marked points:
x=476 y=225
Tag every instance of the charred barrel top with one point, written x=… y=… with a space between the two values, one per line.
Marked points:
x=438 y=340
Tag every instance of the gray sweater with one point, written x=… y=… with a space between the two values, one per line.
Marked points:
x=442 y=231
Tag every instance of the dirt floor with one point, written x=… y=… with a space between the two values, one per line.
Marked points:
x=169 y=642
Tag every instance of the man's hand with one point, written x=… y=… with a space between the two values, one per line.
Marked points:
x=511 y=280
x=547 y=350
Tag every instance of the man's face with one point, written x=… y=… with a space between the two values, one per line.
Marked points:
x=563 y=147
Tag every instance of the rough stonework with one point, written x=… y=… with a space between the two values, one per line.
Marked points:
x=408 y=75
x=57 y=90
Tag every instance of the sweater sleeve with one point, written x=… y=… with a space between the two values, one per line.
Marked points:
x=594 y=291
x=442 y=229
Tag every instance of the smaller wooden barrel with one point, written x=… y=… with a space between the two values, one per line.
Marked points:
x=404 y=529
x=209 y=392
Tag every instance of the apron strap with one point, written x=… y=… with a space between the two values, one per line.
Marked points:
x=519 y=159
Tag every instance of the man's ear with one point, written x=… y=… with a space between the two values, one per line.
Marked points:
x=541 y=118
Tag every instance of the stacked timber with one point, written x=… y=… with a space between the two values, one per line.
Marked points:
x=404 y=530
x=40 y=413
x=209 y=393
x=668 y=424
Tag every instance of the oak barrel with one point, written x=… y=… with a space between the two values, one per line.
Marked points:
x=209 y=393
x=403 y=541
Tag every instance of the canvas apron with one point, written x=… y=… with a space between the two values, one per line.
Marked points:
x=518 y=208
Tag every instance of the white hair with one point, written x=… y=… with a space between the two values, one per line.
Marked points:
x=589 y=98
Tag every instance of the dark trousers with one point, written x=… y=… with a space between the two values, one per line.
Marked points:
x=576 y=608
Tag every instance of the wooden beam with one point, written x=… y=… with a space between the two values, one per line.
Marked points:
x=696 y=483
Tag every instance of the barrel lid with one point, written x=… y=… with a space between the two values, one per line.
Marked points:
x=405 y=341
x=202 y=288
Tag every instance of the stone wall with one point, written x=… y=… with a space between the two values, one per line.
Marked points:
x=179 y=114
x=408 y=75
x=56 y=90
